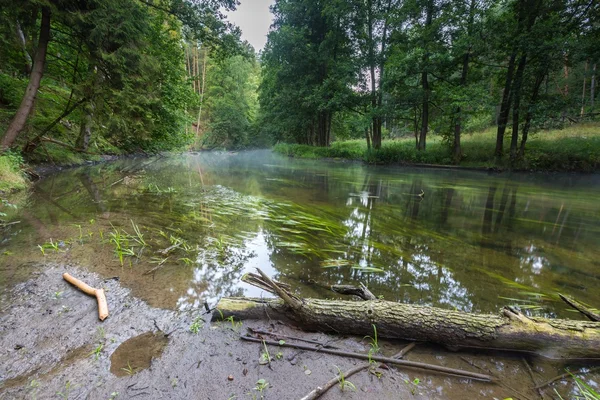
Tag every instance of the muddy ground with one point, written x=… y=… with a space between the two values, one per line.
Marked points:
x=52 y=345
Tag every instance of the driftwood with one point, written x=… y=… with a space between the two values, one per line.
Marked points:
x=510 y=330
x=592 y=316
x=87 y=289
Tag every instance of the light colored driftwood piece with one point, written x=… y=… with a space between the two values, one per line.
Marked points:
x=87 y=289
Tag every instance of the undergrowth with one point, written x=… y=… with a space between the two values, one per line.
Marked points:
x=576 y=148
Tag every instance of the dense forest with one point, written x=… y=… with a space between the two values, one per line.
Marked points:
x=134 y=75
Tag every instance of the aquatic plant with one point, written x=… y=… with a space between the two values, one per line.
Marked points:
x=344 y=383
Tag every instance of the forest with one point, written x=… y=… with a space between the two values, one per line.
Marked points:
x=417 y=81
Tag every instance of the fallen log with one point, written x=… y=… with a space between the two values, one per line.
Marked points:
x=510 y=330
x=87 y=289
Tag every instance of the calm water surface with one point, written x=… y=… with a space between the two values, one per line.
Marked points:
x=472 y=241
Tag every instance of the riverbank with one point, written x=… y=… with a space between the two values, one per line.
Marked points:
x=573 y=149
x=149 y=352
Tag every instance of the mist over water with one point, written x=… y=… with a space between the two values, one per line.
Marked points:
x=455 y=239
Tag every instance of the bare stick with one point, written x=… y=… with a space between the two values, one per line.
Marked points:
x=289 y=299
x=87 y=289
x=580 y=307
x=539 y=390
x=496 y=379
x=361 y=291
x=319 y=391
x=259 y=282
x=566 y=375
x=277 y=335
x=387 y=360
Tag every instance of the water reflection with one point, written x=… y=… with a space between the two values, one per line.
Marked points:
x=454 y=239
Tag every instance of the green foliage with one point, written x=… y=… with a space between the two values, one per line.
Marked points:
x=120 y=63
x=573 y=149
x=231 y=104
x=11 y=177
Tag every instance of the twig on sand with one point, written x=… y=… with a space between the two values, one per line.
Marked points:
x=320 y=390
x=278 y=335
x=387 y=360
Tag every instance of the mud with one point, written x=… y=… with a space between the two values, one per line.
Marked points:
x=52 y=345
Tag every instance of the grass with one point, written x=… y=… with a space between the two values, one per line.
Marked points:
x=344 y=383
x=575 y=148
x=11 y=177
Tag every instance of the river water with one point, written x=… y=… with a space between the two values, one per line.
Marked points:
x=471 y=241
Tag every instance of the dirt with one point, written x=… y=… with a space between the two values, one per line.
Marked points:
x=52 y=345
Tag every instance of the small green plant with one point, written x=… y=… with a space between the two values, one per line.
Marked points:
x=51 y=245
x=33 y=388
x=68 y=387
x=129 y=369
x=585 y=391
x=260 y=387
x=343 y=382
x=57 y=295
x=373 y=341
x=97 y=351
x=113 y=395
x=235 y=325
x=138 y=235
x=414 y=385
x=197 y=324
x=174 y=382
x=265 y=357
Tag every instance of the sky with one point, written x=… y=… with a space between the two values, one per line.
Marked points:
x=254 y=19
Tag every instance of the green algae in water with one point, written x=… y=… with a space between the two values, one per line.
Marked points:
x=474 y=242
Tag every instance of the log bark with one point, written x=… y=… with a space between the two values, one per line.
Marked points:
x=511 y=330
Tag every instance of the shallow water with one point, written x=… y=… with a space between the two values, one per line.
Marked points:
x=472 y=241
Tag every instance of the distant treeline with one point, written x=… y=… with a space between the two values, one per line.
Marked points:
x=375 y=69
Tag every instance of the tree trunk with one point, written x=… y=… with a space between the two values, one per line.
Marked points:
x=424 y=113
x=23 y=44
x=85 y=132
x=534 y=95
x=18 y=122
x=593 y=86
x=457 y=151
x=583 y=94
x=516 y=107
x=202 y=91
x=425 y=84
x=505 y=107
x=512 y=331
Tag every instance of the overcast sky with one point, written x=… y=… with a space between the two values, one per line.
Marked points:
x=254 y=18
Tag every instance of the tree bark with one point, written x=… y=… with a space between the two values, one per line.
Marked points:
x=18 y=122
x=593 y=86
x=518 y=84
x=529 y=116
x=584 y=87
x=85 y=132
x=425 y=84
x=512 y=331
x=505 y=107
x=23 y=44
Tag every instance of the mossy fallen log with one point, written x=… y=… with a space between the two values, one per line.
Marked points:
x=510 y=330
